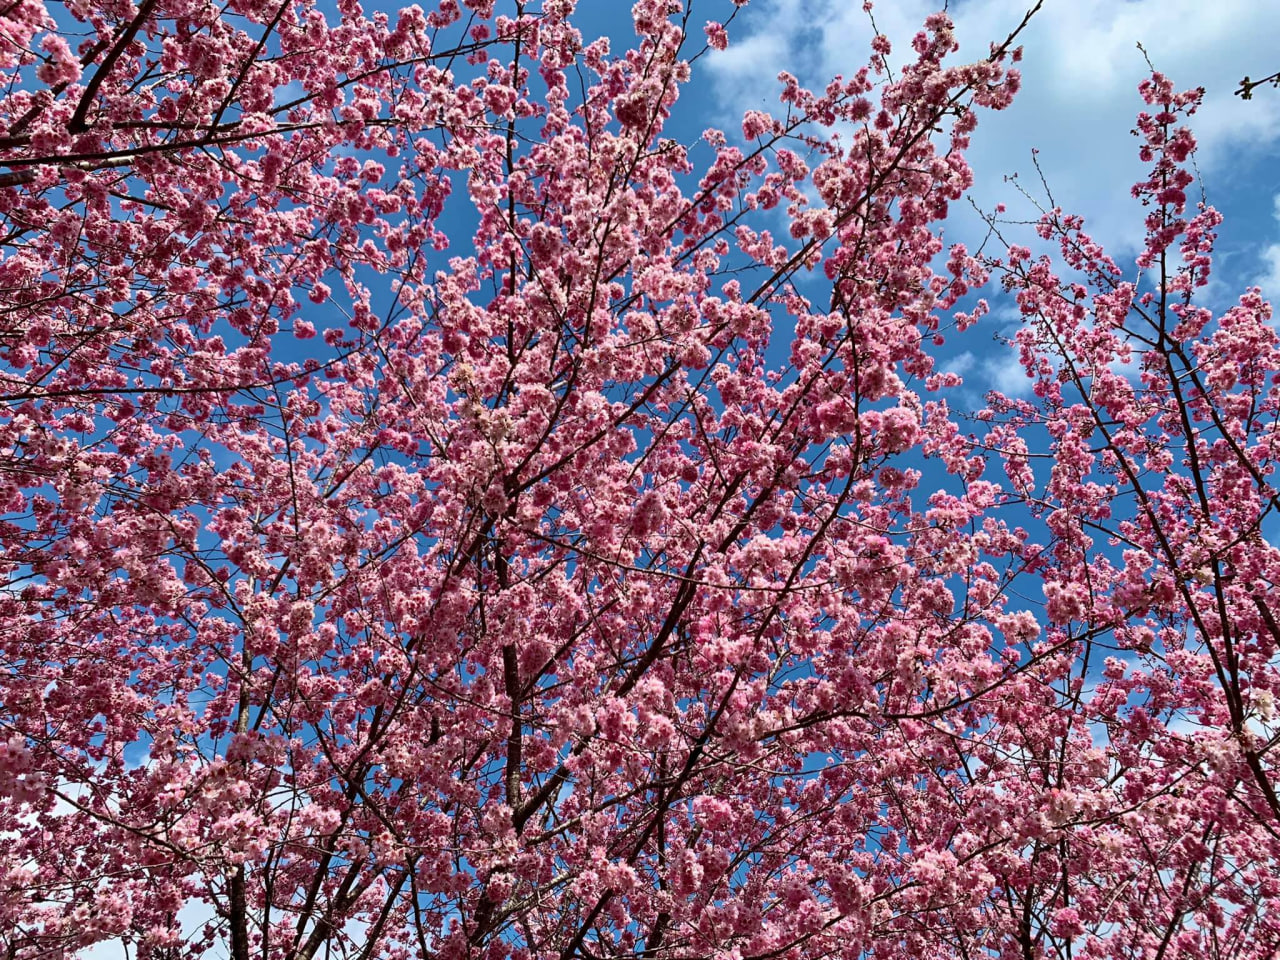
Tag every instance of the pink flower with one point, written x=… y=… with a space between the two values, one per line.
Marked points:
x=899 y=429
x=756 y=124
x=1067 y=923
x=649 y=515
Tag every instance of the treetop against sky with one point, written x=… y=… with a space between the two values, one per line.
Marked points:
x=540 y=481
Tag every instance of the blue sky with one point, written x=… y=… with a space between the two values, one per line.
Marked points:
x=1080 y=74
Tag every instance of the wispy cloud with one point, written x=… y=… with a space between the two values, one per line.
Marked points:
x=1004 y=372
x=1269 y=276
x=961 y=363
x=1079 y=96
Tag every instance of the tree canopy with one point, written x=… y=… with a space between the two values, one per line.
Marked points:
x=448 y=511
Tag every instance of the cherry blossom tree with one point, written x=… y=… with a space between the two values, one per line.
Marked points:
x=1158 y=432
x=448 y=513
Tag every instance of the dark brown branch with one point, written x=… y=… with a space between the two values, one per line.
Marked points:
x=77 y=122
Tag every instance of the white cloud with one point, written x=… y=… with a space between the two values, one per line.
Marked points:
x=1077 y=106
x=1079 y=95
x=1005 y=373
x=1269 y=277
x=961 y=363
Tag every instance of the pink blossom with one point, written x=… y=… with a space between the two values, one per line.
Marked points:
x=717 y=36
